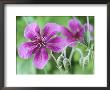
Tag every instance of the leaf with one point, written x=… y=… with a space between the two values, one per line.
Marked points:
x=80 y=52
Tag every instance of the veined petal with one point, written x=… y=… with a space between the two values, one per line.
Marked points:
x=72 y=41
x=41 y=58
x=50 y=30
x=55 y=40
x=26 y=50
x=57 y=44
x=75 y=25
x=32 y=31
x=65 y=31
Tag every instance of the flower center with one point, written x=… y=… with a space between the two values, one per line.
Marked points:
x=76 y=36
x=41 y=42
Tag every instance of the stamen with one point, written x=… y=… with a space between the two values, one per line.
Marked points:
x=43 y=44
x=40 y=45
x=35 y=43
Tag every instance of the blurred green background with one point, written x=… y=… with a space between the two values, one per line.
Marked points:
x=26 y=66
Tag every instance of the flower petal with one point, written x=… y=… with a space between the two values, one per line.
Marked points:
x=90 y=27
x=72 y=41
x=26 y=50
x=75 y=25
x=32 y=31
x=57 y=44
x=41 y=58
x=50 y=30
x=65 y=31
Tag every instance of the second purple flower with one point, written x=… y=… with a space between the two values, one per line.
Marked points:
x=75 y=31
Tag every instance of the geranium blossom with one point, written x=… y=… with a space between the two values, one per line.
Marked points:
x=75 y=31
x=40 y=42
x=90 y=27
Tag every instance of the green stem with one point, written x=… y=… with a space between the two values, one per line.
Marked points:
x=88 y=55
x=71 y=54
x=59 y=67
x=54 y=58
x=81 y=54
x=88 y=30
x=86 y=59
x=87 y=23
x=65 y=52
x=26 y=21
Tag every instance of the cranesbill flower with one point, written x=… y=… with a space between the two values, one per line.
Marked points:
x=40 y=42
x=75 y=31
x=90 y=27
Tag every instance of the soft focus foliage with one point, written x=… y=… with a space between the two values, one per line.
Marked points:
x=27 y=67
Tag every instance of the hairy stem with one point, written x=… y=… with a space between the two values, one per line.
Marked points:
x=65 y=52
x=87 y=23
x=25 y=19
x=59 y=67
x=71 y=54
x=81 y=54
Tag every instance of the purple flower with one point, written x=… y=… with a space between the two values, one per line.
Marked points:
x=75 y=31
x=40 y=42
x=91 y=30
x=90 y=27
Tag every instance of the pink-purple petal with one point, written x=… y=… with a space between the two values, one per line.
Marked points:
x=72 y=41
x=66 y=32
x=90 y=27
x=55 y=40
x=57 y=44
x=75 y=25
x=26 y=50
x=41 y=58
x=32 y=31
x=50 y=30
